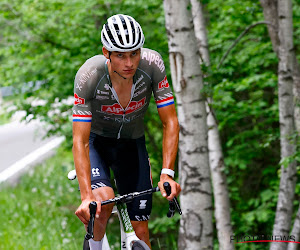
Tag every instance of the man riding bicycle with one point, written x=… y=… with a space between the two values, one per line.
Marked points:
x=112 y=94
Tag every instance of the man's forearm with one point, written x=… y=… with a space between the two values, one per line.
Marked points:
x=83 y=172
x=170 y=144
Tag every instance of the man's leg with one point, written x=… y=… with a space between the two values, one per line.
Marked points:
x=142 y=231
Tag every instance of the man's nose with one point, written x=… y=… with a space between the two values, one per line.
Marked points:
x=128 y=62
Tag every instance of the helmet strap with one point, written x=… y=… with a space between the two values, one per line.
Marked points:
x=120 y=75
x=109 y=54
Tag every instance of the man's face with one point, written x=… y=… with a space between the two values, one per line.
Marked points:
x=125 y=63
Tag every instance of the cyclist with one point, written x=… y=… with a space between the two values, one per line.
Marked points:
x=112 y=93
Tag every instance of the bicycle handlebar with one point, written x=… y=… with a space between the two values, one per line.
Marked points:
x=90 y=227
x=129 y=197
x=173 y=205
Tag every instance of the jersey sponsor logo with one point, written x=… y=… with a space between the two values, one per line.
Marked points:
x=127 y=119
x=118 y=110
x=84 y=77
x=106 y=86
x=141 y=85
x=143 y=204
x=151 y=57
x=102 y=97
x=165 y=102
x=164 y=83
x=113 y=109
x=140 y=79
x=139 y=92
x=78 y=100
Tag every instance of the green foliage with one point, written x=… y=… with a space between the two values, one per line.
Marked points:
x=244 y=91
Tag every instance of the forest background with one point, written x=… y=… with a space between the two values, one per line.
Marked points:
x=48 y=40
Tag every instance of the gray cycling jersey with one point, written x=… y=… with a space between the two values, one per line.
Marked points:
x=97 y=102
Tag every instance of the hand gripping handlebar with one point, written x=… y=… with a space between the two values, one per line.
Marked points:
x=173 y=205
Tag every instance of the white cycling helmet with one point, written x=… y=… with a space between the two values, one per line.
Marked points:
x=122 y=33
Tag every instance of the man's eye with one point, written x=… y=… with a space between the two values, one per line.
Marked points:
x=134 y=54
x=120 y=55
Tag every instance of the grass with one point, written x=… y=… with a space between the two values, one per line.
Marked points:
x=38 y=213
x=4 y=118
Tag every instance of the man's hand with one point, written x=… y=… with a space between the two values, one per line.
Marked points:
x=83 y=211
x=175 y=187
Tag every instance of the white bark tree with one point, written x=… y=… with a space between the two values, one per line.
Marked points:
x=270 y=9
x=288 y=178
x=216 y=159
x=196 y=222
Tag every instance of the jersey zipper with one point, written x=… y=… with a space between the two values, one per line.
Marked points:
x=124 y=110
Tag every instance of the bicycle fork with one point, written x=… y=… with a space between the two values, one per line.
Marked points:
x=128 y=236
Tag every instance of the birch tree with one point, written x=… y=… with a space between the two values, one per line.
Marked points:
x=270 y=9
x=196 y=221
x=216 y=160
x=288 y=179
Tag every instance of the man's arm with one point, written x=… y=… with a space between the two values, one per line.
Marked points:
x=81 y=133
x=169 y=120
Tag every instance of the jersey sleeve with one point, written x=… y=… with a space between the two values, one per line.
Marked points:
x=83 y=93
x=161 y=88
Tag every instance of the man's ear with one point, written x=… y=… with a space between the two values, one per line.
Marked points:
x=105 y=52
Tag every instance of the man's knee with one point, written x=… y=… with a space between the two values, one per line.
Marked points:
x=141 y=228
x=101 y=194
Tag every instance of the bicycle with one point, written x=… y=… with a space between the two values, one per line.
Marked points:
x=129 y=240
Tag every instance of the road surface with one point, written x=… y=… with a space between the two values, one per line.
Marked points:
x=22 y=146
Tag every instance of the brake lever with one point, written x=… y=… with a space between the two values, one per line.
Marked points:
x=90 y=227
x=174 y=204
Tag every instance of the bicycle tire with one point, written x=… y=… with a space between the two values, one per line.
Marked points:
x=86 y=245
x=140 y=245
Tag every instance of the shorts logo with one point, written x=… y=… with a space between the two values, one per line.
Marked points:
x=78 y=100
x=118 y=110
x=143 y=204
x=142 y=218
x=164 y=83
x=95 y=172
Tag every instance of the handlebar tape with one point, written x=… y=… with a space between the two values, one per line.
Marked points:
x=90 y=227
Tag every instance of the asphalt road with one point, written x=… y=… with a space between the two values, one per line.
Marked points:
x=22 y=146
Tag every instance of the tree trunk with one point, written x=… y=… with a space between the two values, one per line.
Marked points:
x=219 y=182
x=270 y=9
x=287 y=126
x=271 y=14
x=200 y=31
x=295 y=232
x=196 y=221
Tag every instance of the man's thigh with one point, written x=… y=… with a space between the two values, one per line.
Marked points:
x=133 y=173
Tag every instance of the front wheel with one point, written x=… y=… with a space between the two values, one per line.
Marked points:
x=140 y=245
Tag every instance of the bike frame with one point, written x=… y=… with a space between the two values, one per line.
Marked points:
x=128 y=236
